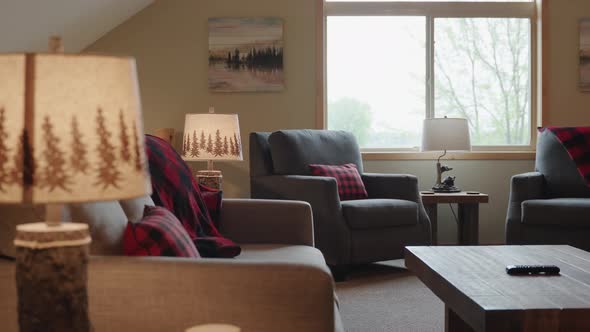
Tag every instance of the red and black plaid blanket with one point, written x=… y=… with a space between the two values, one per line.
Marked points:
x=576 y=141
x=175 y=188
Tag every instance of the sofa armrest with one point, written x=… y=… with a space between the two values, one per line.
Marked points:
x=267 y=221
x=522 y=187
x=172 y=294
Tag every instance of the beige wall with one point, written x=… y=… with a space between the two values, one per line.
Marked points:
x=169 y=40
x=568 y=106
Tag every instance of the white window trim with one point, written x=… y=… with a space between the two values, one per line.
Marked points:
x=433 y=10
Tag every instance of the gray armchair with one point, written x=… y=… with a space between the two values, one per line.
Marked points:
x=552 y=204
x=346 y=232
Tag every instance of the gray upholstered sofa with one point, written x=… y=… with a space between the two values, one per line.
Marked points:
x=347 y=232
x=552 y=204
x=279 y=282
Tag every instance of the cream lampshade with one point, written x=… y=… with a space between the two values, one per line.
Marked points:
x=445 y=134
x=210 y=137
x=70 y=131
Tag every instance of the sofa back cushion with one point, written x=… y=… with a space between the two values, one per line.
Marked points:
x=135 y=207
x=293 y=150
x=106 y=222
x=562 y=177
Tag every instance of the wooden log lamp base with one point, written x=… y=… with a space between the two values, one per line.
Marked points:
x=51 y=277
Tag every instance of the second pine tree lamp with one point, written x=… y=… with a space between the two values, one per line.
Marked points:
x=211 y=137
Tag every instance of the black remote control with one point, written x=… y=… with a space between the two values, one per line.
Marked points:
x=532 y=269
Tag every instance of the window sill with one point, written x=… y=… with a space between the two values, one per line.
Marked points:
x=473 y=155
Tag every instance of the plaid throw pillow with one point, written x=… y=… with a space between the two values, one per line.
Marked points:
x=350 y=184
x=158 y=233
x=175 y=188
x=213 y=198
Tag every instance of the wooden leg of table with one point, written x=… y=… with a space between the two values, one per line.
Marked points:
x=468 y=224
x=454 y=323
x=432 y=213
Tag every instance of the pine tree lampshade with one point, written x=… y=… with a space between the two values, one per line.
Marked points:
x=70 y=131
x=211 y=137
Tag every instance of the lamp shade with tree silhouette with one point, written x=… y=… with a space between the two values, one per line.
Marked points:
x=211 y=137
x=70 y=131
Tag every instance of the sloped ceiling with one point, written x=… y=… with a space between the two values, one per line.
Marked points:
x=26 y=25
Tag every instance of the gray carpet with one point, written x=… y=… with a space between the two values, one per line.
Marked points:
x=386 y=297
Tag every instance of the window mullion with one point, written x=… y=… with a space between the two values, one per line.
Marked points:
x=429 y=66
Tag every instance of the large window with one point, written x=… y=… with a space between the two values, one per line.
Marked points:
x=390 y=64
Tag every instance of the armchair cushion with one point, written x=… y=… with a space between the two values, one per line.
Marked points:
x=293 y=150
x=557 y=211
x=379 y=213
x=348 y=179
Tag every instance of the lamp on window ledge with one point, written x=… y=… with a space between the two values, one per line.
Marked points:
x=209 y=137
x=70 y=132
x=445 y=134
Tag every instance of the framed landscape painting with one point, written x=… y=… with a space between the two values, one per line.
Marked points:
x=585 y=55
x=246 y=54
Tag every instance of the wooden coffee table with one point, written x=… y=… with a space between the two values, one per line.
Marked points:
x=480 y=296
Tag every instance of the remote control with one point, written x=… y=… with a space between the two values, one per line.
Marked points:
x=532 y=269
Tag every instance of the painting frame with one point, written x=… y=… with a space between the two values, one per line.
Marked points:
x=584 y=55
x=246 y=54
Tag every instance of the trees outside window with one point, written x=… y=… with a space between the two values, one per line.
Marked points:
x=385 y=74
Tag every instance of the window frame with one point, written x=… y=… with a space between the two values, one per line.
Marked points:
x=431 y=11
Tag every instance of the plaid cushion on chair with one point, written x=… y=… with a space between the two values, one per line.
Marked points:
x=175 y=188
x=350 y=184
x=158 y=233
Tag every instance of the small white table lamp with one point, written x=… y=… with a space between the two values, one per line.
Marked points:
x=210 y=137
x=445 y=134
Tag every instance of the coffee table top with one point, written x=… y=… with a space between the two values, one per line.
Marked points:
x=472 y=281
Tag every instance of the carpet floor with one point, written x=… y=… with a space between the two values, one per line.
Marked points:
x=387 y=297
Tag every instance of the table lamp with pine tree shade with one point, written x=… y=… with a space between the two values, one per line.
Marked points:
x=208 y=137
x=70 y=132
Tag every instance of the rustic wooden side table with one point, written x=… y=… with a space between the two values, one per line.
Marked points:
x=468 y=213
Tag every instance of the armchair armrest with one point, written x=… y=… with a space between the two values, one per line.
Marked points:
x=330 y=228
x=397 y=186
x=267 y=221
x=154 y=294
x=522 y=187
x=526 y=186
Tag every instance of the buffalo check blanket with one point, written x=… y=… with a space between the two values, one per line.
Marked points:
x=175 y=188
x=576 y=141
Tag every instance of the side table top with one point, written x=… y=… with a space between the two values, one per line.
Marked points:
x=460 y=197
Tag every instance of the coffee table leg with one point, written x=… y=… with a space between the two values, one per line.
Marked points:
x=454 y=323
x=468 y=224
x=432 y=212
